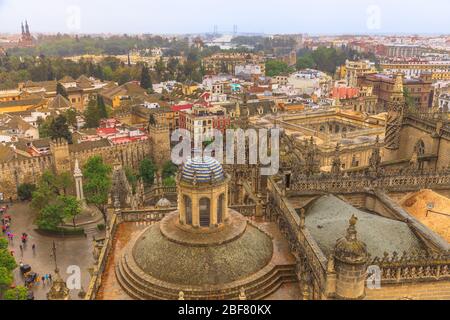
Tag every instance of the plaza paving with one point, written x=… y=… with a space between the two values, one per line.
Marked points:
x=72 y=250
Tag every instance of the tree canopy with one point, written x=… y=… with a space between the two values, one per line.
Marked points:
x=147 y=171
x=95 y=111
x=25 y=191
x=169 y=169
x=61 y=90
x=328 y=59
x=7 y=260
x=146 y=80
x=51 y=200
x=18 y=293
x=60 y=129
x=276 y=68
x=97 y=183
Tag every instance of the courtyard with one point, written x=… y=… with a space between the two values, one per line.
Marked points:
x=70 y=251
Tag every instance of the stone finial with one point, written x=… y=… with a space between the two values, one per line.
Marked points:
x=349 y=249
x=338 y=148
x=302 y=218
x=242 y=295
x=336 y=163
x=353 y=220
x=77 y=171
x=351 y=231
x=305 y=291
x=330 y=264
x=398 y=84
x=59 y=290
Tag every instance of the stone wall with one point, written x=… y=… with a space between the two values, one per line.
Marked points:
x=17 y=172
x=99 y=267
x=415 y=291
x=425 y=127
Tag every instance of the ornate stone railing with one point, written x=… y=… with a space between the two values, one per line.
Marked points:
x=152 y=195
x=247 y=210
x=430 y=116
x=412 y=267
x=301 y=242
x=428 y=121
x=158 y=190
x=99 y=267
x=389 y=181
x=145 y=214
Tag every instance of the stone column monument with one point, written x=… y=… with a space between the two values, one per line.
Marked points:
x=78 y=175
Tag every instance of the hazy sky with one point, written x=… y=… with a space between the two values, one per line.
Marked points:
x=191 y=16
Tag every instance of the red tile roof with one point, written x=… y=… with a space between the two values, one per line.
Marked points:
x=106 y=131
x=181 y=107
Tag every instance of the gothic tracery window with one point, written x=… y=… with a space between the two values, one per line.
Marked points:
x=420 y=148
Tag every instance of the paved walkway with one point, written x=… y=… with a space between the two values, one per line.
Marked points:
x=69 y=250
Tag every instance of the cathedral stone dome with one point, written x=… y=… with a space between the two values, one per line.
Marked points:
x=202 y=170
x=193 y=265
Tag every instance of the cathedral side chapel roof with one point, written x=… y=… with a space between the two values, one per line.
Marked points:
x=327 y=220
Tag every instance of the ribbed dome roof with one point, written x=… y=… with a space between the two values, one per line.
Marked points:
x=202 y=170
x=183 y=264
x=163 y=203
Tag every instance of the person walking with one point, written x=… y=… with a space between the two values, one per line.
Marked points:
x=33 y=247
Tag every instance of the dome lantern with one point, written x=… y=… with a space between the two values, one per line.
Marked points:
x=202 y=194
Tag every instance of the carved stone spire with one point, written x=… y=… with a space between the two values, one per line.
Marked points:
x=375 y=157
x=336 y=164
x=330 y=264
x=395 y=106
x=302 y=218
x=27 y=28
x=350 y=258
x=349 y=248
x=238 y=109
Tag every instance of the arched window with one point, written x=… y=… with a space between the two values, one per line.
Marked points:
x=188 y=209
x=420 y=148
x=337 y=129
x=220 y=207
x=205 y=211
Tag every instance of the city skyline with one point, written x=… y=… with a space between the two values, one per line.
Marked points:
x=179 y=17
